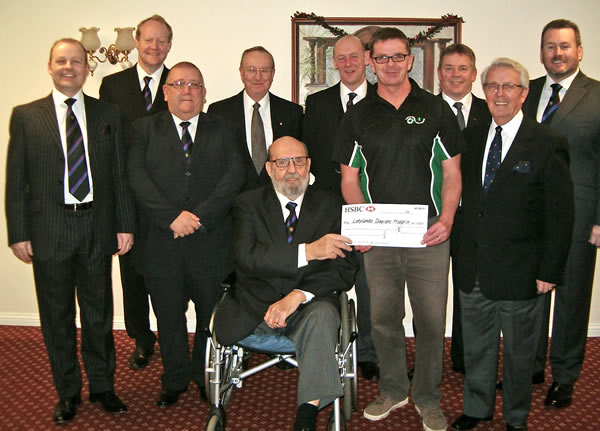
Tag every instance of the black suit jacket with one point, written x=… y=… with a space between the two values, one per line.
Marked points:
x=35 y=172
x=520 y=231
x=286 y=120
x=322 y=118
x=164 y=185
x=267 y=266
x=577 y=118
x=123 y=89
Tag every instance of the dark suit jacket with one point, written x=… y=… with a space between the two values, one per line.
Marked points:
x=479 y=112
x=267 y=266
x=286 y=120
x=322 y=118
x=164 y=185
x=123 y=89
x=577 y=119
x=35 y=172
x=520 y=231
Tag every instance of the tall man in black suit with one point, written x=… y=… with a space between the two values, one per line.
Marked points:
x=324 y=111
x=574 y=112
x=68 y=210
x=514 y=234
x=290 y=263
x=184 y=169
x=138 y=93
x=259 y=115
x=457 y=72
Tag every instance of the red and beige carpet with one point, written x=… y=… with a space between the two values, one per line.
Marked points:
x=266 y=402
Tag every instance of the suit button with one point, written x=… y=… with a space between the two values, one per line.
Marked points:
x=481 y=214
x=187 y=174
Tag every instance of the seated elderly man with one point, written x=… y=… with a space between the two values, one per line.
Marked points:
x=290 y=263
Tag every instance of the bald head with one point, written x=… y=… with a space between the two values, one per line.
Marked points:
x=291 y=179
x=350 y=59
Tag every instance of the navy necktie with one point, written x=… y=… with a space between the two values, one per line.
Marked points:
x=493 y=161
x=147 y=93
x=290 y=221
x=79 y=185
x=553 y=103
x=350 y=101
x=186 y=140
x=459 y=115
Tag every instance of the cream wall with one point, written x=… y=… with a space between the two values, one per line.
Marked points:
x=213 y=35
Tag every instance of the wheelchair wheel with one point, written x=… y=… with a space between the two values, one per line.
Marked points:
x=216 y=420
x=353 y=350
x=348 y=323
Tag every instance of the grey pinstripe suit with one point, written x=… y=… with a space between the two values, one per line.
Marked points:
x=72 y=250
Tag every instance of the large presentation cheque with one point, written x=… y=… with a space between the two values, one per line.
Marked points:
x=385 y=225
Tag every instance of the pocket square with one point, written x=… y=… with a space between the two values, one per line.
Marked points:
x=522 y=166
x=105 y=130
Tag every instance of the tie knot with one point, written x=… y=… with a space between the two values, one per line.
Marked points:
x=147 y=79
x=70 y=101
x=351 y=96
x=556 y=88
x=185 y=124
x=498 y=130
x=458 y=105
x=291 y=206
x=256 y=106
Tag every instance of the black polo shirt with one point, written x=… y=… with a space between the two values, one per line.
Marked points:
x=400 y=151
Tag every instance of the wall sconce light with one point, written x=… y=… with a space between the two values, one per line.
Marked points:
x=117 y=52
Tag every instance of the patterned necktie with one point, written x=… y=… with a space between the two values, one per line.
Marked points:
x=257 y=136
x=290 y=221
x=459 y=115
x=147 y=93
x=493 y=161
x=79 y=185
x=186 y=140
x=552 y=103
x=350 y=101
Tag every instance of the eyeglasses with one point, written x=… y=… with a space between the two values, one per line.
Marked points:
x=180 y=85
x=396 y=58
x=263 y=70
x=284 y=162
x=507 y=87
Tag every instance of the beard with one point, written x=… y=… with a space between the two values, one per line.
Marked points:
x=292 y=192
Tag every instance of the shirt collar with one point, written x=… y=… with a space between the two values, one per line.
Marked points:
x=512 y=127
x=466 y=101
x=155 y=76
x=283 y=200
x=193 y=121
x=59 y=98
x=565 y=83
x=249 y=102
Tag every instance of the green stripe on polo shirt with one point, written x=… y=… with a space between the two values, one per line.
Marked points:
x=358 y=160
x=438 y=155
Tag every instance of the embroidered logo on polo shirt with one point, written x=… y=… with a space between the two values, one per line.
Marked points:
x=414 y=120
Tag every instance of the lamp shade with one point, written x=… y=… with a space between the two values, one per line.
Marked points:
x=89 y=38
x=125 y=41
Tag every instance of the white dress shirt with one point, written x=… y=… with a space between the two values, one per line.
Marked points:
x=265 y=115
x=467 y=101
x=509 y=131
x=153 y=83
x=547 y=92
x=361 y=93
x=61 y=116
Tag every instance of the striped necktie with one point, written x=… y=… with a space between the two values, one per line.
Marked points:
x=290 y=221
x=147 y=93
x=79 y=185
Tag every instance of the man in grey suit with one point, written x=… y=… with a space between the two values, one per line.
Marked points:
x=514 y=233
x=569 y=102
x=67 y=211
x=290 y=263
x=324 y=111
x=259 y=116
x=457 y=72
x=138 y=93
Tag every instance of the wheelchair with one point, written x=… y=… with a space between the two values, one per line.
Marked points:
x=226 y=367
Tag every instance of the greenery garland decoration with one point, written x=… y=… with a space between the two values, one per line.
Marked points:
x=446 y=20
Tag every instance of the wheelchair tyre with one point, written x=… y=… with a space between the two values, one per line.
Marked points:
x=215 y=423
x=346 y=332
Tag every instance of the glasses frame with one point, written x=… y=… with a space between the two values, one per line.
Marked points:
x=284 y=162
x=385 y=59
x=507 y=87
x=180 y=85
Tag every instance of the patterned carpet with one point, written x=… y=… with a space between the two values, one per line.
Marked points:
x=266 y=402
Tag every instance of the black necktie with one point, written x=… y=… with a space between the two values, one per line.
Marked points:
x=552 y=103
x=258 y=141
x=186 y=140
x=350 y=101
x=493 y=161
x=79 y=185
x=459 y=115
x=290 y=221
x=147 y=93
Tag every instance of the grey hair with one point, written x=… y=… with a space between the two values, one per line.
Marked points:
x=507 y=62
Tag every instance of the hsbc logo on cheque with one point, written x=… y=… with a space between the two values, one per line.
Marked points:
x=370 y=208
x=359 y=209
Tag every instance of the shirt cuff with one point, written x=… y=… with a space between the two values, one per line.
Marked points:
x=309 y=296
x=302 y=255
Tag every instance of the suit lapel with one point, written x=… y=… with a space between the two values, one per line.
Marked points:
x=574 y=94
x=530 y=106
x=518 y=146
x=307 y=224
x=47 y=117
x=273 y=217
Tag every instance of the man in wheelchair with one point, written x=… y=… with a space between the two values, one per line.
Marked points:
x=290 y=264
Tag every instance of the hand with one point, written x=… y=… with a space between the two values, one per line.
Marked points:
x=544 y=287
x=328 y=246
x=23 y=250
x=124 y=243
x=437 y=233
x=363 y=248
x=185 y=224
x=595 y=236
x=279 y=311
